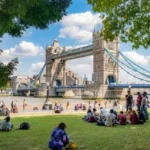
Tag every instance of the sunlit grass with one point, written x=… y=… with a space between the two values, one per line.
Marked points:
x=88 y=136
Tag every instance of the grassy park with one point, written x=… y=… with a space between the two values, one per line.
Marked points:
x=88 y=136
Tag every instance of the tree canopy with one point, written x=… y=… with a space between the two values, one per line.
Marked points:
x=6 y=71
x=18 y=15
x=129 y=19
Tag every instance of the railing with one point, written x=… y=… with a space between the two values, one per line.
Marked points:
x=64 y=88
x=113 y=85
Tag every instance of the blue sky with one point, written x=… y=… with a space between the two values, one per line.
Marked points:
x=83 y=20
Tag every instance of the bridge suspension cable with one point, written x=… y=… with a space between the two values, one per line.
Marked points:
x=37 y=77
x=132 y=63
x=130 y=66
x=123 y=68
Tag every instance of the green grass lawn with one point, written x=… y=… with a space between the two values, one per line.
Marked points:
x=88 y=136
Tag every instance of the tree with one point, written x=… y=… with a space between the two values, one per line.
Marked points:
x=6 y=71
x=129 y=19
x=18 y=15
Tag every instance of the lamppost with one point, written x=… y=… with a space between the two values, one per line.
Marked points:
x=47 y=94
x=48 y=104
x=130 y=87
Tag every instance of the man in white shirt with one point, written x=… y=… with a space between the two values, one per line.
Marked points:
x=110 y=119
x=103 y=112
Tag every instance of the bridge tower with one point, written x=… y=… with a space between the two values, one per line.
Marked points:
x=55 y=68
x=105 y=71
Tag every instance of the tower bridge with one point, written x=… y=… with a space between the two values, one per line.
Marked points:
x=105 y=74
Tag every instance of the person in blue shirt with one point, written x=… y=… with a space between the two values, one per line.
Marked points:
x=6 y=125
x=59 y=138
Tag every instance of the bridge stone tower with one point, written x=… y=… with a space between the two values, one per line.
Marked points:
x=55 y=68
x=105 y=70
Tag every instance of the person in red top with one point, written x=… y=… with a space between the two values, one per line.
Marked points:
x=134 y=118
x=122 y=118
x=139 y=100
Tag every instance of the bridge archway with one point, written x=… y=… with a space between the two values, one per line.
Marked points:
x=58 y=83
x=110 y=79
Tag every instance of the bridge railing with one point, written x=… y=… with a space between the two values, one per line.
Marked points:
x=113 y=85
x=64 y=88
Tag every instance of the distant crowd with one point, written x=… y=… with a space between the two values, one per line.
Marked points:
x=110 y=118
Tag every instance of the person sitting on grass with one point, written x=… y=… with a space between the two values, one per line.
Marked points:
x=108 y=121
x=128 y=114
x=103 y=112
x=6 y=125
x=76 y=107
x=88 y=116
x=84 y=107
x=94 y=116
x=134 y=117
x=57 y=109
x=59 y=138
x=122 y=118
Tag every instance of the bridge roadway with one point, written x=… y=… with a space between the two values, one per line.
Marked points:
x=110 y=86
x=75 y=53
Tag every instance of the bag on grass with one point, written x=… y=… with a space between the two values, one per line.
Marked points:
x=73 y=145
x=24 y=126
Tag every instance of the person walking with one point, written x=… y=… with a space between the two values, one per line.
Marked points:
x=12 y=106
x=24 y=104
x=67 y=105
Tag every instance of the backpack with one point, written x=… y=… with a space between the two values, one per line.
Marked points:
x=24 y=126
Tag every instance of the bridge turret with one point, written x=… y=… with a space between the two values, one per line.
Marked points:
x=55 y=68
x=105 y=71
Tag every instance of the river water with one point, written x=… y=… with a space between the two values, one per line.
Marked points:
x=38 y=102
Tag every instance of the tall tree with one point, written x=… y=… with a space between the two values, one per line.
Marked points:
x=6 y=71
x=18 y=15
x=129 y=19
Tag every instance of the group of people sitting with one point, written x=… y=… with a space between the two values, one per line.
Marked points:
x=110 y=118
x=80 y=107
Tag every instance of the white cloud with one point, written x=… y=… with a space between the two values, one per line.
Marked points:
x=79 y=26
x=35 y=68
x=82 y=66
x=137 y=58
x=27 y=33
x=26 y=49
x=21 y=50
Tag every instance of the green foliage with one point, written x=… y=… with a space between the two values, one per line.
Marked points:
x=128 y=19
x=5 y=72
x=18 y=15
